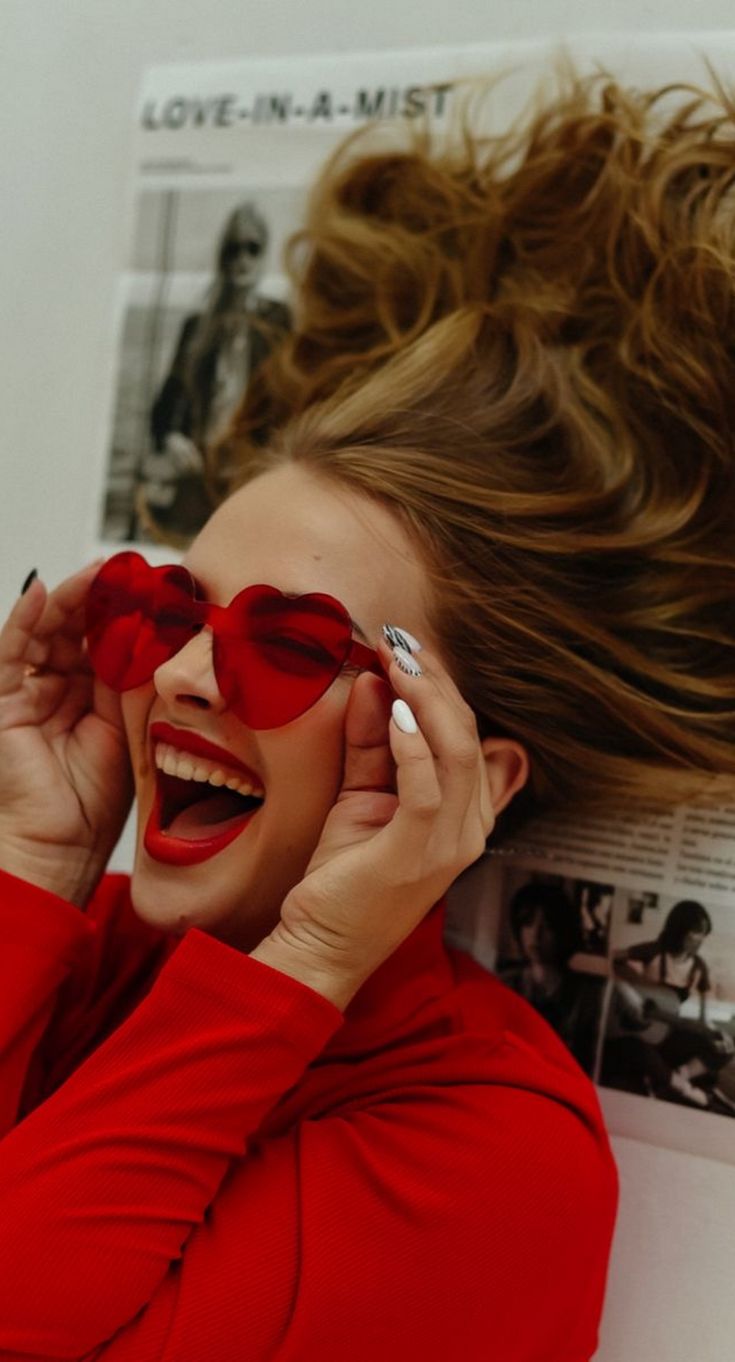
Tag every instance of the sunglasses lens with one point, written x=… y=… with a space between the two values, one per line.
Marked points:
x=136 y=618
x=275 y=657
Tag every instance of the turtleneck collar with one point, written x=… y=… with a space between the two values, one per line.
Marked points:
x=416 y=973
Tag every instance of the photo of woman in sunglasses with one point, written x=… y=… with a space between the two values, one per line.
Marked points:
x=217 y=352
x=254 y=1106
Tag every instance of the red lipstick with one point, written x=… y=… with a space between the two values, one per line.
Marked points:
x=183 y=851
x=180 y=850
x=187 y=741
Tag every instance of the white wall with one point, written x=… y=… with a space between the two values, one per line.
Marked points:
x=69 y=72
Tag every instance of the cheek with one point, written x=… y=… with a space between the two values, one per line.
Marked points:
x=307 y=765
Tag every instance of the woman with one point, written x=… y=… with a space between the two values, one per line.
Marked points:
x=217 y=351
x=254 y=1107
x=547 y=932
x=672 y=958
x=671 y=969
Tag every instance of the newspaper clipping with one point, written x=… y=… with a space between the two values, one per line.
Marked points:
x=224 y=159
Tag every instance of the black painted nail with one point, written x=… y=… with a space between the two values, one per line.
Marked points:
x=32 y=575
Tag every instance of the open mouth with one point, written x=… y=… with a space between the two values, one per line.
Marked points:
x=191 y=820
x=195 y=809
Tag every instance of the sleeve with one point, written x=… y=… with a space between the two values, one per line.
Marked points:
x=102 y=1185
x=42 y=939
x=479 y=1227
x=434 y=1222
x=170 y=409
x=69 y=975
x=440 y=1223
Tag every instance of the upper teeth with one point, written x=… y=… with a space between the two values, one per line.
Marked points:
x=187 y=767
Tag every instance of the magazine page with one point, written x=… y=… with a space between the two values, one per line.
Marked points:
x=621 y=933
x=223 y=158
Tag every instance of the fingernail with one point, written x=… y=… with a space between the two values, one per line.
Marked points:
x=406 y=662
x=401 y=638
x=403 y=717
x=30 y=578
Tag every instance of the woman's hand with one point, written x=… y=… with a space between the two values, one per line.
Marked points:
x=384 y=858
x=65 y=778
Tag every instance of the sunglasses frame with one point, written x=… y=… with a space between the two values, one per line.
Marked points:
x=201 y=614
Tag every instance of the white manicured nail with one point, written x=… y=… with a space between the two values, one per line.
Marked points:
x=403 y=717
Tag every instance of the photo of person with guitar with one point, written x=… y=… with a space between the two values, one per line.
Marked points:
x=672 y=1056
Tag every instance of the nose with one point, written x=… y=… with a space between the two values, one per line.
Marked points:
x=187 y=680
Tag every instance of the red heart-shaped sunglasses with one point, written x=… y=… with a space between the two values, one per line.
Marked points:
x=274 y=656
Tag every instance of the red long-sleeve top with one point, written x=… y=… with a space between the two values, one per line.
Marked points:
x=204 y=1160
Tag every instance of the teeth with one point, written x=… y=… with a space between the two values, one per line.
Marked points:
x=168 y=763
x=185 y=767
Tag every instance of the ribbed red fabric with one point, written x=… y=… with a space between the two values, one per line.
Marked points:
x=203 y=1160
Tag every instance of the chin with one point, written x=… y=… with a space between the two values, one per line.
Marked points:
x=213 y=895
x=169 y=900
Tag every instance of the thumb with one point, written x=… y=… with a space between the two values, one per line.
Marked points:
x=368 y=763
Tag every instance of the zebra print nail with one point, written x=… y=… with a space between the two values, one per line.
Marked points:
x=401 y=638
x=406 y=662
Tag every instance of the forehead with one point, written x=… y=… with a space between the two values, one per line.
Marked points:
x=299 y=533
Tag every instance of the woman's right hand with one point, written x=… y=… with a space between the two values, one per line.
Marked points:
x=65 y=779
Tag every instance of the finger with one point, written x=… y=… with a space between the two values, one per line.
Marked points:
x=16 y=636
x=57 y=642
x=465 y=817
x=447 y=724
x=51 y=700
x=368 y=761
x=46 y=628
x=108 y=704
x=419 y=791
x=64 y=611
x=431 y=667
x=430 y=664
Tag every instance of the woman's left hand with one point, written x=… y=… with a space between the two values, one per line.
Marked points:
x=384 y=858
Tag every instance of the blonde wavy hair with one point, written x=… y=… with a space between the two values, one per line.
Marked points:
x=523 y=345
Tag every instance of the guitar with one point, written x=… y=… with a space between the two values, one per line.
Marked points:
x=643 y=1003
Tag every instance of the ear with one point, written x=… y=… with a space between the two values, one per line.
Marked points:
x=508 y=768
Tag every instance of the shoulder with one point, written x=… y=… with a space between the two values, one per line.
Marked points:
x=535 y=1186
x=515 y=1072
x=492 y=1190
x=529 y=1071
